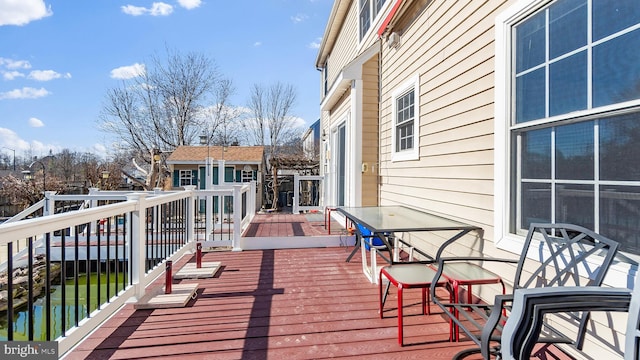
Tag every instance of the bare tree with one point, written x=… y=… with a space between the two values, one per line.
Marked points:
x=271 y=123
x=160 y=110
x=222 y=119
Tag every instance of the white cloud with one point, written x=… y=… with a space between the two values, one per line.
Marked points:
x=315 y=44
x=99 y=149
x=35 y=122
x=257 y=43
x=190 y=4
x=10 y=75
x=24 y=93
x=297 y=122
x=128 y=72
x=46 y=75
x=14 y=64
x=133 y=10
x=161 y=9
x=299 y=18
x=11 y=140
x=156 y=9
x=22 y=12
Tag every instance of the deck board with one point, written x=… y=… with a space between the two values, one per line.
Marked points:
x=275 y=304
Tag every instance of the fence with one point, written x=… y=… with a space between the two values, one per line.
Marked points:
x=101 y=255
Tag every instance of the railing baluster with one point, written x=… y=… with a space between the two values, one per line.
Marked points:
x=165 y=226
x=10 y=291
x=100 y=231
x=117 y=261
x=30 y=317
x=63 y=282
x=108 y=224
x=88 y=268
x=129 y=266
x=48 y=285
x=76 y=270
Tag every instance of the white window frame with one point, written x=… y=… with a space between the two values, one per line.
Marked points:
x=374 y=16
x=503 y=106
x=247 y=175
x=184 y=177
x=413 y=153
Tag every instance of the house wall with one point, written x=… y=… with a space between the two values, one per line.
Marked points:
x=449 y=45
x=345 y=48
x=370 y=128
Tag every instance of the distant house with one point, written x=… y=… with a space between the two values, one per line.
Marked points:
x=241 y=164
x=497 y=113
x=311 y=141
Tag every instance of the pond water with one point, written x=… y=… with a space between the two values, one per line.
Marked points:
x=21 y=317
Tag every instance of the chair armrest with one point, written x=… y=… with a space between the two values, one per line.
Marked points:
x=522 y=329
x=497 y=310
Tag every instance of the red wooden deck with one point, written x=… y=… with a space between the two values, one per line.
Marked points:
x=275 y=304
x=287 y=224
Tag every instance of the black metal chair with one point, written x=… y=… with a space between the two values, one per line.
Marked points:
x=553 y=255
x=530 y=306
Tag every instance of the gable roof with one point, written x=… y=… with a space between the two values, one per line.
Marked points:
x=198 y=154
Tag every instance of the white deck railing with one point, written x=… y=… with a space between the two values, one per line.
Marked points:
x=126 y=237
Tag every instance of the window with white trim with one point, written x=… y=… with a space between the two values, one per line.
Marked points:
x=574 y=123
x=247 y=175
x=368 y=11
x=186 y=178
x=405 y=121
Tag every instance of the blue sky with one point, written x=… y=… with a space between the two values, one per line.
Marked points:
x=58 y=58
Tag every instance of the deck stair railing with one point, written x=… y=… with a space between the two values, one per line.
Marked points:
x=78 y=267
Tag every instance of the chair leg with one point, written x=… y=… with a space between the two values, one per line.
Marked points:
x=381 y=304
x=400 y=328
x=425 y=308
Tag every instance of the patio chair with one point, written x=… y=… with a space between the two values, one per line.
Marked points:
x=553 y=255
x=522 y=330
x=374 y=245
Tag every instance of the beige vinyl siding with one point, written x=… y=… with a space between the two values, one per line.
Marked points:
x=450 y=46
x=345 y=48
x=370 y=130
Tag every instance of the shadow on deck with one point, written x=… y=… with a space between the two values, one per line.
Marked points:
x=275 y=304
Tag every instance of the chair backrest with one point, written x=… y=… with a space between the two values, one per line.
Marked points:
x=369 y=236
x=563 y=255
x=522 y=329
x=632 y=339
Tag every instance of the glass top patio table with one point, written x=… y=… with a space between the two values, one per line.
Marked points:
x=397 y=218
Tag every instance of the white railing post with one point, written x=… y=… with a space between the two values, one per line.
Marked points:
x=296 y=194
x=237 y=216
x=138 y=246
x=93 y=203
x=191 y=215
x=251 y=199
x=49 y=203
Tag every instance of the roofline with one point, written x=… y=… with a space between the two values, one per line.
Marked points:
x=340 y=7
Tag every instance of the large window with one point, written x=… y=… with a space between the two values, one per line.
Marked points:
x=369 y=10
x=575 y=118
x=405 y=121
